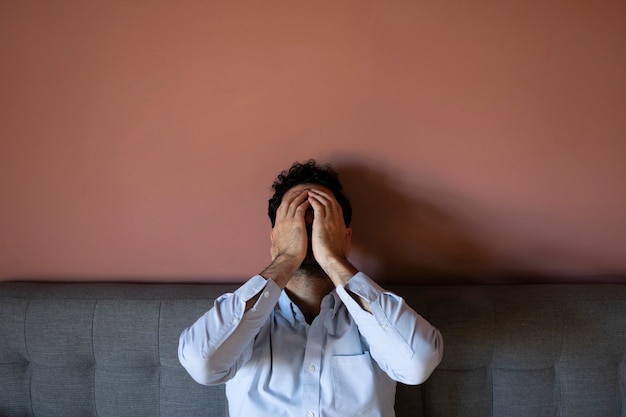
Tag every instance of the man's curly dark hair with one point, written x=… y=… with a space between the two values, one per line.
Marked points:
x=309 y=172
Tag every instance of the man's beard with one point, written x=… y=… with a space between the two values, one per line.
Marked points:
x=310 y=267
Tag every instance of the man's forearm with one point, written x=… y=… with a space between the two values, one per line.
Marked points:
x=280 y=271
x=210 y=348
x=340 y=271
x=405 y=345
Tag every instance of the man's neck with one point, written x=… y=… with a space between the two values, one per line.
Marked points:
x=307 y=292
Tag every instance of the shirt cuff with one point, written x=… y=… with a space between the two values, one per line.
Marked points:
x=251 y=288
x=363 y=286
x=266 y=289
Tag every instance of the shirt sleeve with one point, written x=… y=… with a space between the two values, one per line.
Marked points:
x=406 y=346
x=220 y=341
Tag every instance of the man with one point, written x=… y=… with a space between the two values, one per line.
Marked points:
x=310 y=336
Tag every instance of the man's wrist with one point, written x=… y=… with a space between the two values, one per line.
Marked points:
x=340 y=270
x=281 y=269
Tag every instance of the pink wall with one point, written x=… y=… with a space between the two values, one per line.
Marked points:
x=480 y=140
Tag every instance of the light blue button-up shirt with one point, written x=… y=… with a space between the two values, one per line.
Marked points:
x=345 y=363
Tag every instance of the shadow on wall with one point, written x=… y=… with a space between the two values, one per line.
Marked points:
x=410 y=237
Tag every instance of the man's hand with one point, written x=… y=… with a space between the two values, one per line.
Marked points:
x=330 y=237
x=289 y=237
x=289 y=233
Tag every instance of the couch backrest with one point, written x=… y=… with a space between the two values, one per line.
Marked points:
x=109 y=349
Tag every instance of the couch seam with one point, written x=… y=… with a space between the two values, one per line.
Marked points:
x=557 y=369
x=30 y=360
x=493 y=351
x=623 y=385
x=93 y=355
x=159 y=354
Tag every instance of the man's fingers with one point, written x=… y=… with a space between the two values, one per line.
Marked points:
x=299 y=205
x=289 y=232
x=326 y=204
x=293 y=203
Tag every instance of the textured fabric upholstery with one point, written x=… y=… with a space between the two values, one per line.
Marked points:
x=531 y=351
x=100 y=350
x=109 y=349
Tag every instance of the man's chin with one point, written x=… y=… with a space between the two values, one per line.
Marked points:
x=311 y=269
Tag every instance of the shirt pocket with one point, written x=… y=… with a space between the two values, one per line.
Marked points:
x=353 y=384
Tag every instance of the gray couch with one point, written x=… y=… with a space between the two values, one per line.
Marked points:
x=109 y=349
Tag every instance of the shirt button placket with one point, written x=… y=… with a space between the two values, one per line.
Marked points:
x=311 y=370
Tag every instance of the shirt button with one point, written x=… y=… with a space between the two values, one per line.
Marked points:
x=311 y=368
x=266 y=294
x=385 y=325
x=310 y=414
x=235 y=320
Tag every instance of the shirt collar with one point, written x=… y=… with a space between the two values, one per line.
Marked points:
x=336 y=302
x=290 y=311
